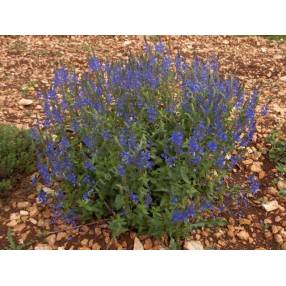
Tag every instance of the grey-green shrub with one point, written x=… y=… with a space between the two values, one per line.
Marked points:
x=17 y=154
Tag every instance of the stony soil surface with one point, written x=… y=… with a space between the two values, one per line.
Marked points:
x=27 y=64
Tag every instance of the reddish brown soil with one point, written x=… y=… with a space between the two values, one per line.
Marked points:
x=27 y=64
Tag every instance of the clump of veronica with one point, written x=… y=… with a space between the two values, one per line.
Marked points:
x=144 y=141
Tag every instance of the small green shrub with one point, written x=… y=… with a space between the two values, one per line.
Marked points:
x=277 y=152
x=16 y=154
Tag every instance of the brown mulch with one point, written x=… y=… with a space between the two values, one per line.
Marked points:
x=27 y=64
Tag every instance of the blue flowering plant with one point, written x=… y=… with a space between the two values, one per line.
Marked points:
x=146 y=142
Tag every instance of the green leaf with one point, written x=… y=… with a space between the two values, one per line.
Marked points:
x=119 y=202
x=174 y=245
x=117 y=226
x=184 y=176
x=283 y=193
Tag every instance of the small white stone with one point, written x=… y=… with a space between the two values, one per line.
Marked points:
x=127 y=43
x=283 y=78
x=14 y=216
x=49 y=191
x=23 y=205
x=51 y=239
x=193 y=245
x=137 y=244
x=25 y=102
x=271 y=206
x=23 y=212
x=12 y=223
x=33 y=221
x=243 y=235
x=42 y=246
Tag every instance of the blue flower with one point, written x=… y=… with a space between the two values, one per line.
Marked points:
x=196 y=160
x=86 y=195
x=151 y=114
x=109 y=98
x=61 y=77
x=177 y=138
x=170 y=161
x=126 y=158
x=264 y=110
x=57 y=116
x=64 y=144
x=166 y=66
x=221 y=135
x=105 y=135
x=220 y=162
x=233 y=161
x=86 y=180
x=194 y=147
x=94 y=64
x=75 y=126
x=71 y=178
x=179 y=216
x=159 y=48
x=44 y=172
x=134 y=198
x=42 y=197
x=87 y=141
x=34 y=180
x=144 y=160
x=206 y=206
x=69 y=217
x=89 y=166
x=212 y=146
x=254 y=184
x=121 y=171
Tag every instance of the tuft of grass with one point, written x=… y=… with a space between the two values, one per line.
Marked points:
x=17 y=47
x=277 y=152
x=28 y=88
x=279 y=38
x=13 y=245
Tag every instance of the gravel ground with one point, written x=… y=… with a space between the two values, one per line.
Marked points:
x=27 y=64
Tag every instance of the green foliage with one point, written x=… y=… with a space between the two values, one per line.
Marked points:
x=5 y=184
x=16 y=153
x=118 y=226
x=174 y=244
x=13 y=245
x=277 y=152
x=283 y=193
